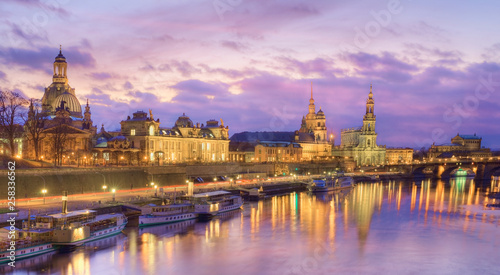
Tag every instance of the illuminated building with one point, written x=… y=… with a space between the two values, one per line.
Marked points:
x=142 y=140
x=398 y=155
x=360 y=144
x=67 y=135
x=460 y=146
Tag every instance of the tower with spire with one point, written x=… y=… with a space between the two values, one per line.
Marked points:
x=368 y=135
x=360 y=143
x=87 y=120
x=314 y=123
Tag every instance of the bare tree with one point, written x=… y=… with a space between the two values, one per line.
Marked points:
x=34 y=126
x=12 y=107
x=59 y=139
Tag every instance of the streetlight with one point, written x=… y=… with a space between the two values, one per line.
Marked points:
x=156 y=186
x=104 y=179
x=114 y=190
x=44 y=191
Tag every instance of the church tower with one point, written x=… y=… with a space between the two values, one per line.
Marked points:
x=87 y=120
x=312 y=107
x=314 y=123
x=369 y=136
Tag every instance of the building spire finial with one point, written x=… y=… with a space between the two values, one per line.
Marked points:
x=60 y=48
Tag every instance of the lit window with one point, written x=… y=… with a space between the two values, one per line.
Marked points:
x=132 y=132
x=151 y=130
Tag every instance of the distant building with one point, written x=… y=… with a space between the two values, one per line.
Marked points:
x=312 y=135
x=265 y=147
x=310 y=142
x=360 y=144
x=275 y=151
x=460 y=146
x=67 y=134
x=398 y=155
x=141 y=140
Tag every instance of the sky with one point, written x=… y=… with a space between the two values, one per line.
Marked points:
x=434 y=66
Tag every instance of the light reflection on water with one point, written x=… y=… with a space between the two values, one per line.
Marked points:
x=420 y=227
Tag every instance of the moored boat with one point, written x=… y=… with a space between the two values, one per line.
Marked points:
x=213 y=203
x=28 y=243
x=168 y=214
x=332 y=184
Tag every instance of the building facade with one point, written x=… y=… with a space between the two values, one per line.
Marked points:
x=67 y=134
x=360 y=144
x=460 y=146
x=312 y=135
x=274 y=151
x=398 y=155
x=142 y=141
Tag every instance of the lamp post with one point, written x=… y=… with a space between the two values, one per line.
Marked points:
x=114 y=192
x=44 y=191
x=104 y=179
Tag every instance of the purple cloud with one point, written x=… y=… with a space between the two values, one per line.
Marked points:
x=42 y=58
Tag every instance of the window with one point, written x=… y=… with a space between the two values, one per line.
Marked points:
x=151 y=130
x=132 y=132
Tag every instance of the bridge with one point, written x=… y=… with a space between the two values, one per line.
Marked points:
x=481 y=168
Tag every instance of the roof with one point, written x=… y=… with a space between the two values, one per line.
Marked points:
x=469 y=136
x=71 y=214
x=211 y=194
x=255 y=136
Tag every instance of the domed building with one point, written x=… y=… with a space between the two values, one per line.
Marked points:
x=148 y=143
x=67 y=134
x=70 y=102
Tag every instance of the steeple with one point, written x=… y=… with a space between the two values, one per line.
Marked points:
x=31 y=111
x=312 y=108
x=87 y=120
x=370 y=103
x=369 y=118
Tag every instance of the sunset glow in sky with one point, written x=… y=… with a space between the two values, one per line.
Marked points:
x=435 y=67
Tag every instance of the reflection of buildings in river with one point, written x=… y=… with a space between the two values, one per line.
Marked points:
x=361 y=204
x=155 y=244
x=218 y=227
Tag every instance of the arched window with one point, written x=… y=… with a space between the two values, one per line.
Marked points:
x=368 y=143
x=151 y=130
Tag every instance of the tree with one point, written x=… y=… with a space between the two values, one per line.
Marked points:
x=34 y=126
x=12 y=107
x=59 y=138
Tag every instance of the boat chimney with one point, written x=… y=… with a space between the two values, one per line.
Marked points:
x=65 y=202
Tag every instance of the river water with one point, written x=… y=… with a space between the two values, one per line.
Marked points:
x=397 y=227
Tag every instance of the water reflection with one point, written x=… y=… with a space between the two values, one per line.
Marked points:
x=394 y=226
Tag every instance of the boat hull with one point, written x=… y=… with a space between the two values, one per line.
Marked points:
x=27 y=252
x=150 y=220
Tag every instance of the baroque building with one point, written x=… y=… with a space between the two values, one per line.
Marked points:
x=398 y=155
x=360 y=143
x=310 y=142
x=141 y=140
x=460 y=146
x=67 y=134
x=312 y=135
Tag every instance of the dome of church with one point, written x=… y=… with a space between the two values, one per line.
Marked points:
x=184 y=121
x=70 y=102
x=320 y=113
